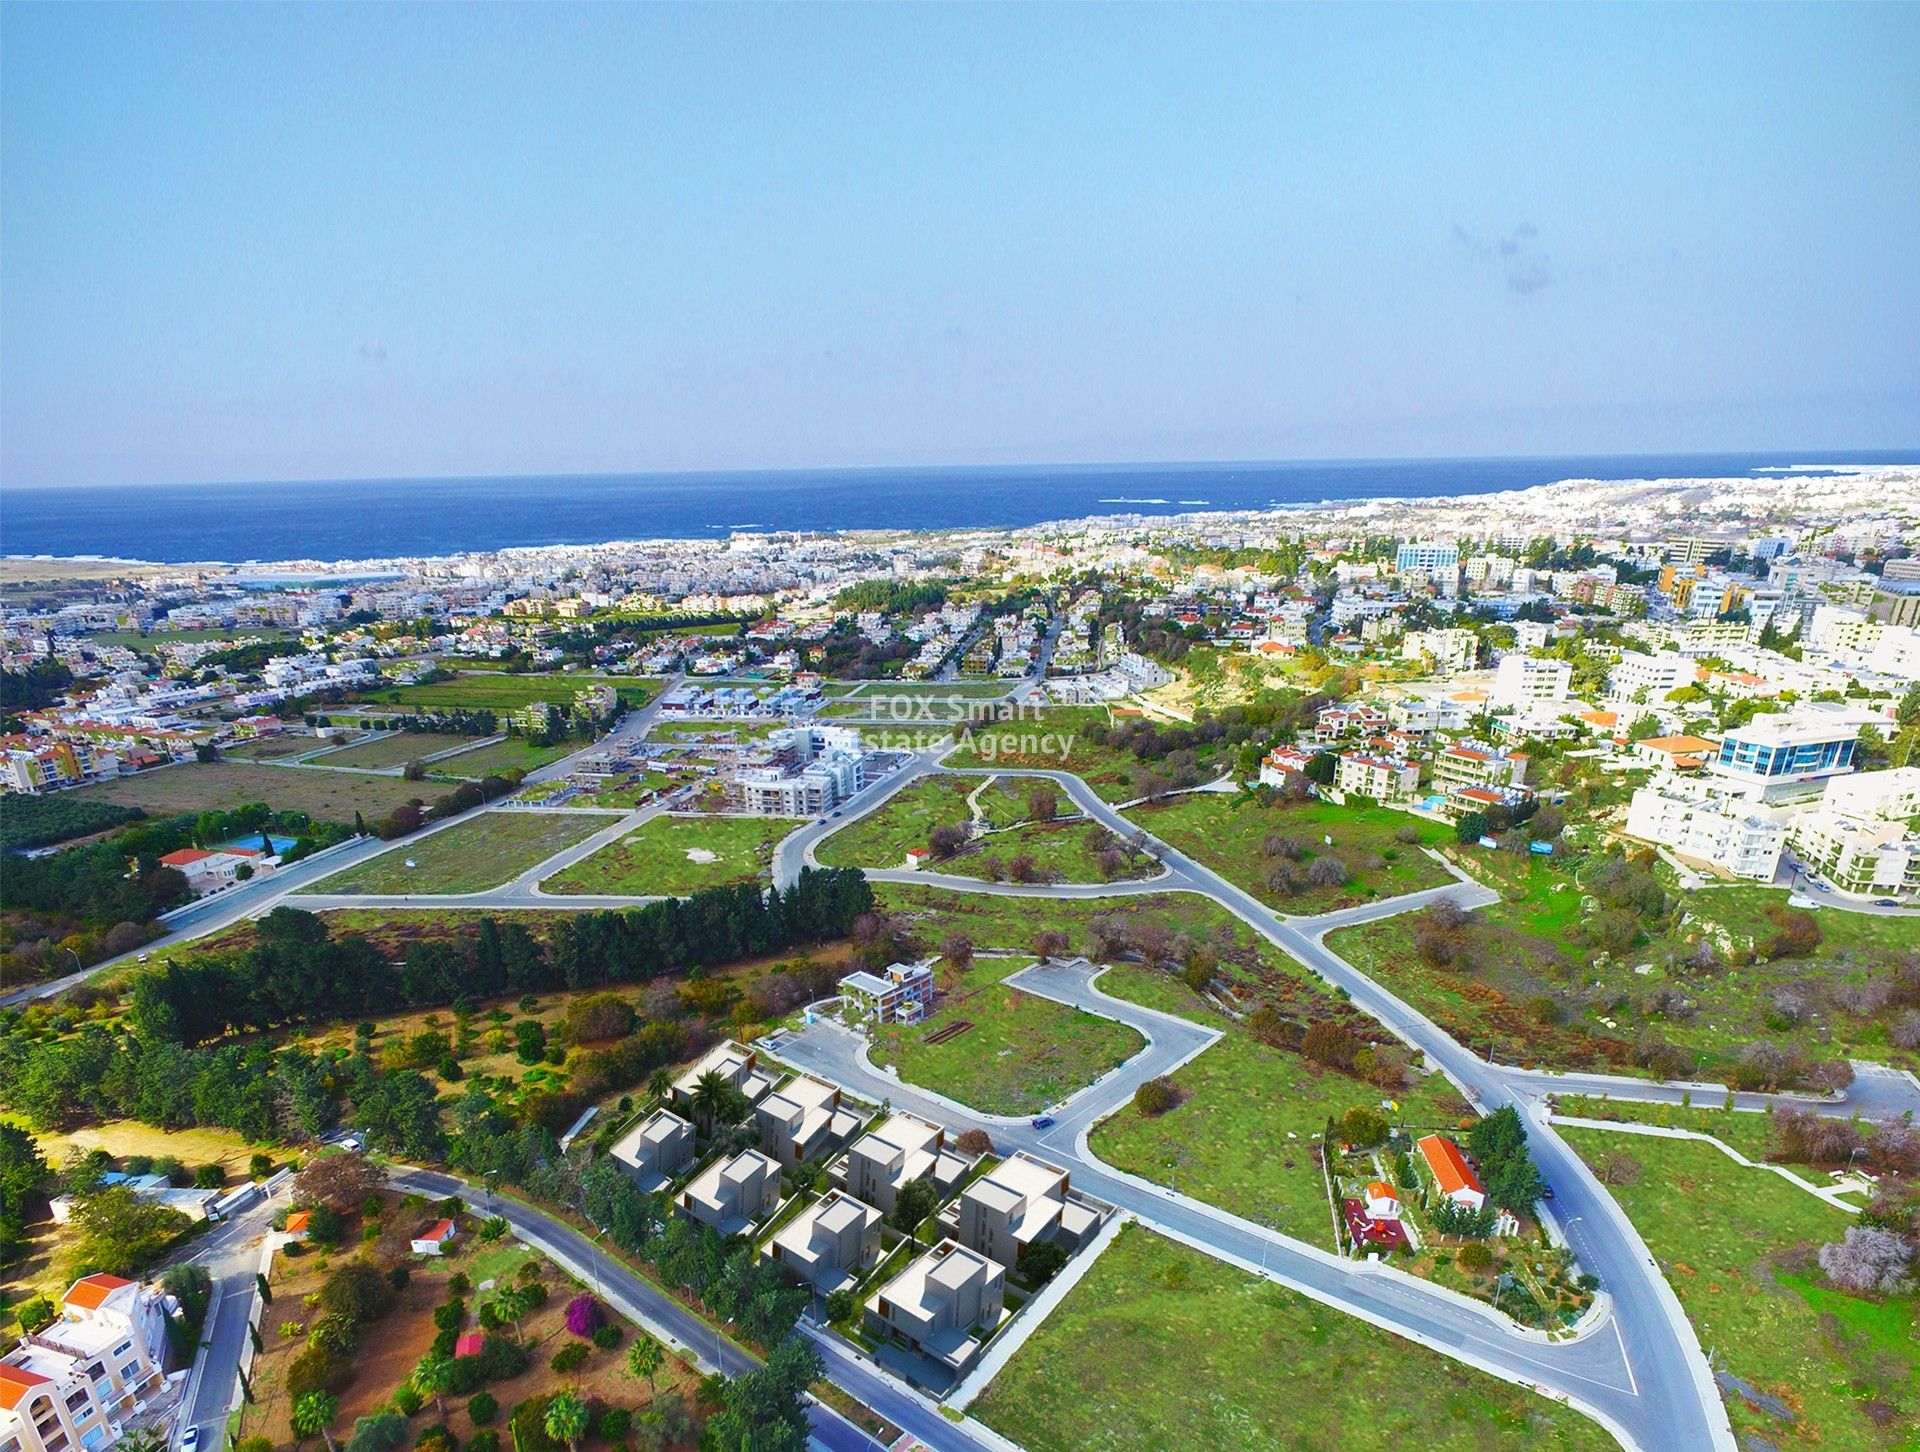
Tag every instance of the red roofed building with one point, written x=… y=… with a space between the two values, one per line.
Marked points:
x=1453 y=1177
x=211 y=871
x=468 y=1344
x=435 y=1236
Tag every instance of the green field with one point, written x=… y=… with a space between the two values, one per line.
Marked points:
x=393 y=748
x=1225 y=832
x=654 y=859
x=1734 y=1244
x=1524 y=979
x=1059 y=851
x=881 y=838
x=471 y=856
x=1023 y=1053
x=1162 y=1349
x=1227 y=1143
x=1055 y=739
x=514 y=753
x=502 y=691
x=326 y=796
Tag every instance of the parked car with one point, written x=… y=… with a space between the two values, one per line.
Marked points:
x=190 y=1440
x=1877 y=902
x=1043 y=1121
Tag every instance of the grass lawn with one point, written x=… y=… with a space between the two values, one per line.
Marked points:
x=673 y=856
x=271 y=748
x=1002 y=800
x=1734 y=1245
x=502 y=691
x=1162 y=1349
x=393 y=748
x=471 y=856
x=1227 y=1143
x=1055 y=739
x=1022 y=1054
x=1527 y=982
x=881 y=838
x=504 y=756
x=194 y=786
x=1225 y=832
x=1749 y=1133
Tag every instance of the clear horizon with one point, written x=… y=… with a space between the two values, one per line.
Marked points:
x=298 y=243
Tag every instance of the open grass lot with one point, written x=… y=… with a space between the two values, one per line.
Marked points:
x=194 y=786
x=1242 y=1138
x=1162 y=1349
x=1749 y=1133
x=1022 y=1054
x=515 y=753
x=1060 y=851
x=471 y=856
x=1001 y=801
x=673 y=856
x=1527 y=982
x=1055 y=739
x=503 y=691
x=881 y=838
x=1225 y=831
x=273 y=748
x=393 y=748
x=1735 y=1245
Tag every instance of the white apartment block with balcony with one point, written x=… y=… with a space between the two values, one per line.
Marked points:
x=1384 y=778
x=1526 y=680
x=1703 y=819
x=73 y=1384
x=1021 y=1202
x=831 y=1243
x=1859 y=838
x=1646 y=680
x=1452 y=651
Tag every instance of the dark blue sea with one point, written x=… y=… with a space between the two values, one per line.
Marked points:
x=380 y=518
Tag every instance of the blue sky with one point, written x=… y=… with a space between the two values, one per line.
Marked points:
x=261 y=242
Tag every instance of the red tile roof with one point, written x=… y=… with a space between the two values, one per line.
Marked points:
x=1450 y=1168
x=16 y=1382
x=89 y=1293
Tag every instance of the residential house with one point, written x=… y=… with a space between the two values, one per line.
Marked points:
x=654 y=1151
x=733 y=1195
x=435 y=1238
x=899 y=993
x=831 y=1243
x=940 y=1305
x=901 y=1149
x=1382 y=1201
x=1673 y=753
x=73 y=1383
x=1017 y=1204
x=738 y=1065
x=803 y=1120
x=213 y=871
x=1453 y=1178
x=1283 y=762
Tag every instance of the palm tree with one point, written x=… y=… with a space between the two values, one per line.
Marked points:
x=510 y=1303
x=433 y=1377
x=567 y=1418
x=660 y=1084
x=314 y=1413
x=710 y=1092
x=644 y=1358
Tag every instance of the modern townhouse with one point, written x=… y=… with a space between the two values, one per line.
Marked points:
x=738 y=1065
x=941 y=1306
x=901 y=1149
x=831 y=1243
x=733 y=1195
x=1019 y=1203
x=654 y=1151
x=803 y=1120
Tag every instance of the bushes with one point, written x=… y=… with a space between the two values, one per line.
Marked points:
x=527 y=1428
x=607 y=1337
x=570 y=1357
x=1155 y=1097
x=437 y=1439
x=583 y=1315
x=482 y=1408
x=318 y=1368
x=359 y=1290
x=1363 y=1127
x=614 y=1424
x=1475 y=1258
x=379 y=1433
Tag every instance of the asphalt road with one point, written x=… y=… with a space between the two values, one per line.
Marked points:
x=231 y=1254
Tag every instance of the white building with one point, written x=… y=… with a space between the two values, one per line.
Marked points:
x=1451 y=651
x=74 y=1383
x=1384 y=778
x=1521 y=680
x=1859 y=837
x=1648 y=679
x=1780 y=757
x=1702 y=819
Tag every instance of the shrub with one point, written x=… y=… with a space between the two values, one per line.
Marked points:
x=398 y=1276
x=358 y=1290
x=317 y=1368
x=1363 y=1127
x=1043 y=1261
x=381 y=1432
x=458 y=1284
x=254 y=1444
x=570 y=1357
x=974 y=1142
x=484 y=1441
x=1475 y=1258
x=407 y=1401
x=482 y=1407
x=1868 y=1262
x=614 y=1424
x=606 y=1337
x=449 y=1315
x=583 y=1315
x=842 y=1305
x=209 y=1177
x=1156 y=1096
x=437 y=1439
x=527 y=1427
x=34 y=1313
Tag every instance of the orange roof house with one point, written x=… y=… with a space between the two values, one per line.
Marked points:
x=90 y=1293
x=16 y=1382
x=299 y=1223
x=1452 y=1175
x=184 y=857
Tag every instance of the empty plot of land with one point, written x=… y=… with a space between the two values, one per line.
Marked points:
x=197 y=786
x=504 y=691
x=515 y=753
x=673 y=856
x=393 y=748
x=471 y=856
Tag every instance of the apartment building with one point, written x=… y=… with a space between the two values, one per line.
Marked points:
x=941 y=1305
x=1283 y=762
x=1648 y=679
x=1859 y=837
x=655 y=1151
x=1781 y=757
x=1523 y=680
x=901 y=1149
x=803 y=1120
x=815 y=768
x=733 y=1195
x=1473 y=764
x=1702 y=819
x=1452 y=651
x=1019 y=1203
x=899 y=993
x=831 y=1243
x=1384 y=778
x=73 y=1383
x=1428 y=555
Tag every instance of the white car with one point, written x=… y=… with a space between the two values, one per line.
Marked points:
x=189 y=1440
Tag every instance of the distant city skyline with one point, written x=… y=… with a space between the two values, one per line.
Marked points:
x=306 y=242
